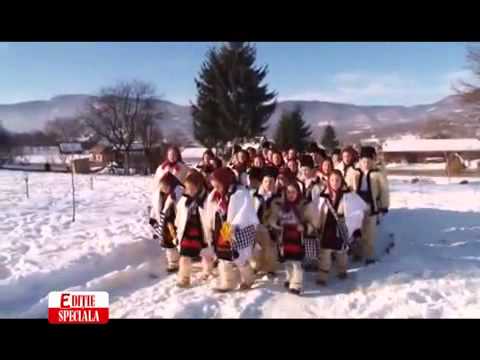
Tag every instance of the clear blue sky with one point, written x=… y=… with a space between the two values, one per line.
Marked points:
x=360 y=73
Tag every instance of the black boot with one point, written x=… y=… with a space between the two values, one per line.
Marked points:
x=172 y=270
x=342 y=276
x=286 y=284
x=294 y=291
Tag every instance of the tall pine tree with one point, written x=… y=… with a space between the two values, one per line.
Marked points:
x=292 y=131
x=232 y=101
x=329 y=138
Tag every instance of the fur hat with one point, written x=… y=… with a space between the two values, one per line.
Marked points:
x=307 y=161
x=270 y=171
x=367 y=152
x=255 y=173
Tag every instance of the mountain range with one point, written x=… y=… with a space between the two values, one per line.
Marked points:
x=350 y=121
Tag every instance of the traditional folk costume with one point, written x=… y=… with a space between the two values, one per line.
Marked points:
x=241 y=174
x=350 y=174
x=265 y=257
x=372 y=187
x=162 y=218
x=178 y=169
x=292 y=221
x=339 y=222
x=233 y=219
x=194 y=236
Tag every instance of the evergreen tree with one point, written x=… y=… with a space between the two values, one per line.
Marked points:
x=5 y=138
x=329 y=138
x=292 y=131
x=232 y=101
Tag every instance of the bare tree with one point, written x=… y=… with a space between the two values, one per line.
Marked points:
x=149 y=132
x=470 y=91
x=123 y=114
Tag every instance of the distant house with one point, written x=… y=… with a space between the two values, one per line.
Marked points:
x=416 y=150
x=101 y=154
x=142 y=161
x=49 y=158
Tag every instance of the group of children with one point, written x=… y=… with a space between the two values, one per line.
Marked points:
x=266 y=208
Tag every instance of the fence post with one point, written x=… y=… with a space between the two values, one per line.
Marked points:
x=26 y=186
x=73 y=195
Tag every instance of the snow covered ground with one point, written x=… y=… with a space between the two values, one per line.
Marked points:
x=433 y=271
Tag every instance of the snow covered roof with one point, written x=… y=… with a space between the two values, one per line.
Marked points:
x=430 y=145
x=69 y=148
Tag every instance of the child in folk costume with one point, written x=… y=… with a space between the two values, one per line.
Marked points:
x=372 y=187
x=233 y=218
x=284 y=176
x=292 y=165
x=173 y=164
x=162 y=216
x=255 y=176
x=241 y=167
x=311 y=183
x=266 y=145
x=292 y=154
x=205 y=166
x=291 y=217
x=339 y=223
x=234 y=159
x=269 y=158
x=258 y=162
x=251 y=152
x=265 y=258
x=347 y=167
x=277 y=160
x=325 y=170
x=193 y=230
x=336 y=157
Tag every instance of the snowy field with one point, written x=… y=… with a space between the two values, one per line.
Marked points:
x=433 y=271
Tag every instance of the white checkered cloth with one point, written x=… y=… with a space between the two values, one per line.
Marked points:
x=158 y=227
x=312 y=248
x=244 y=238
